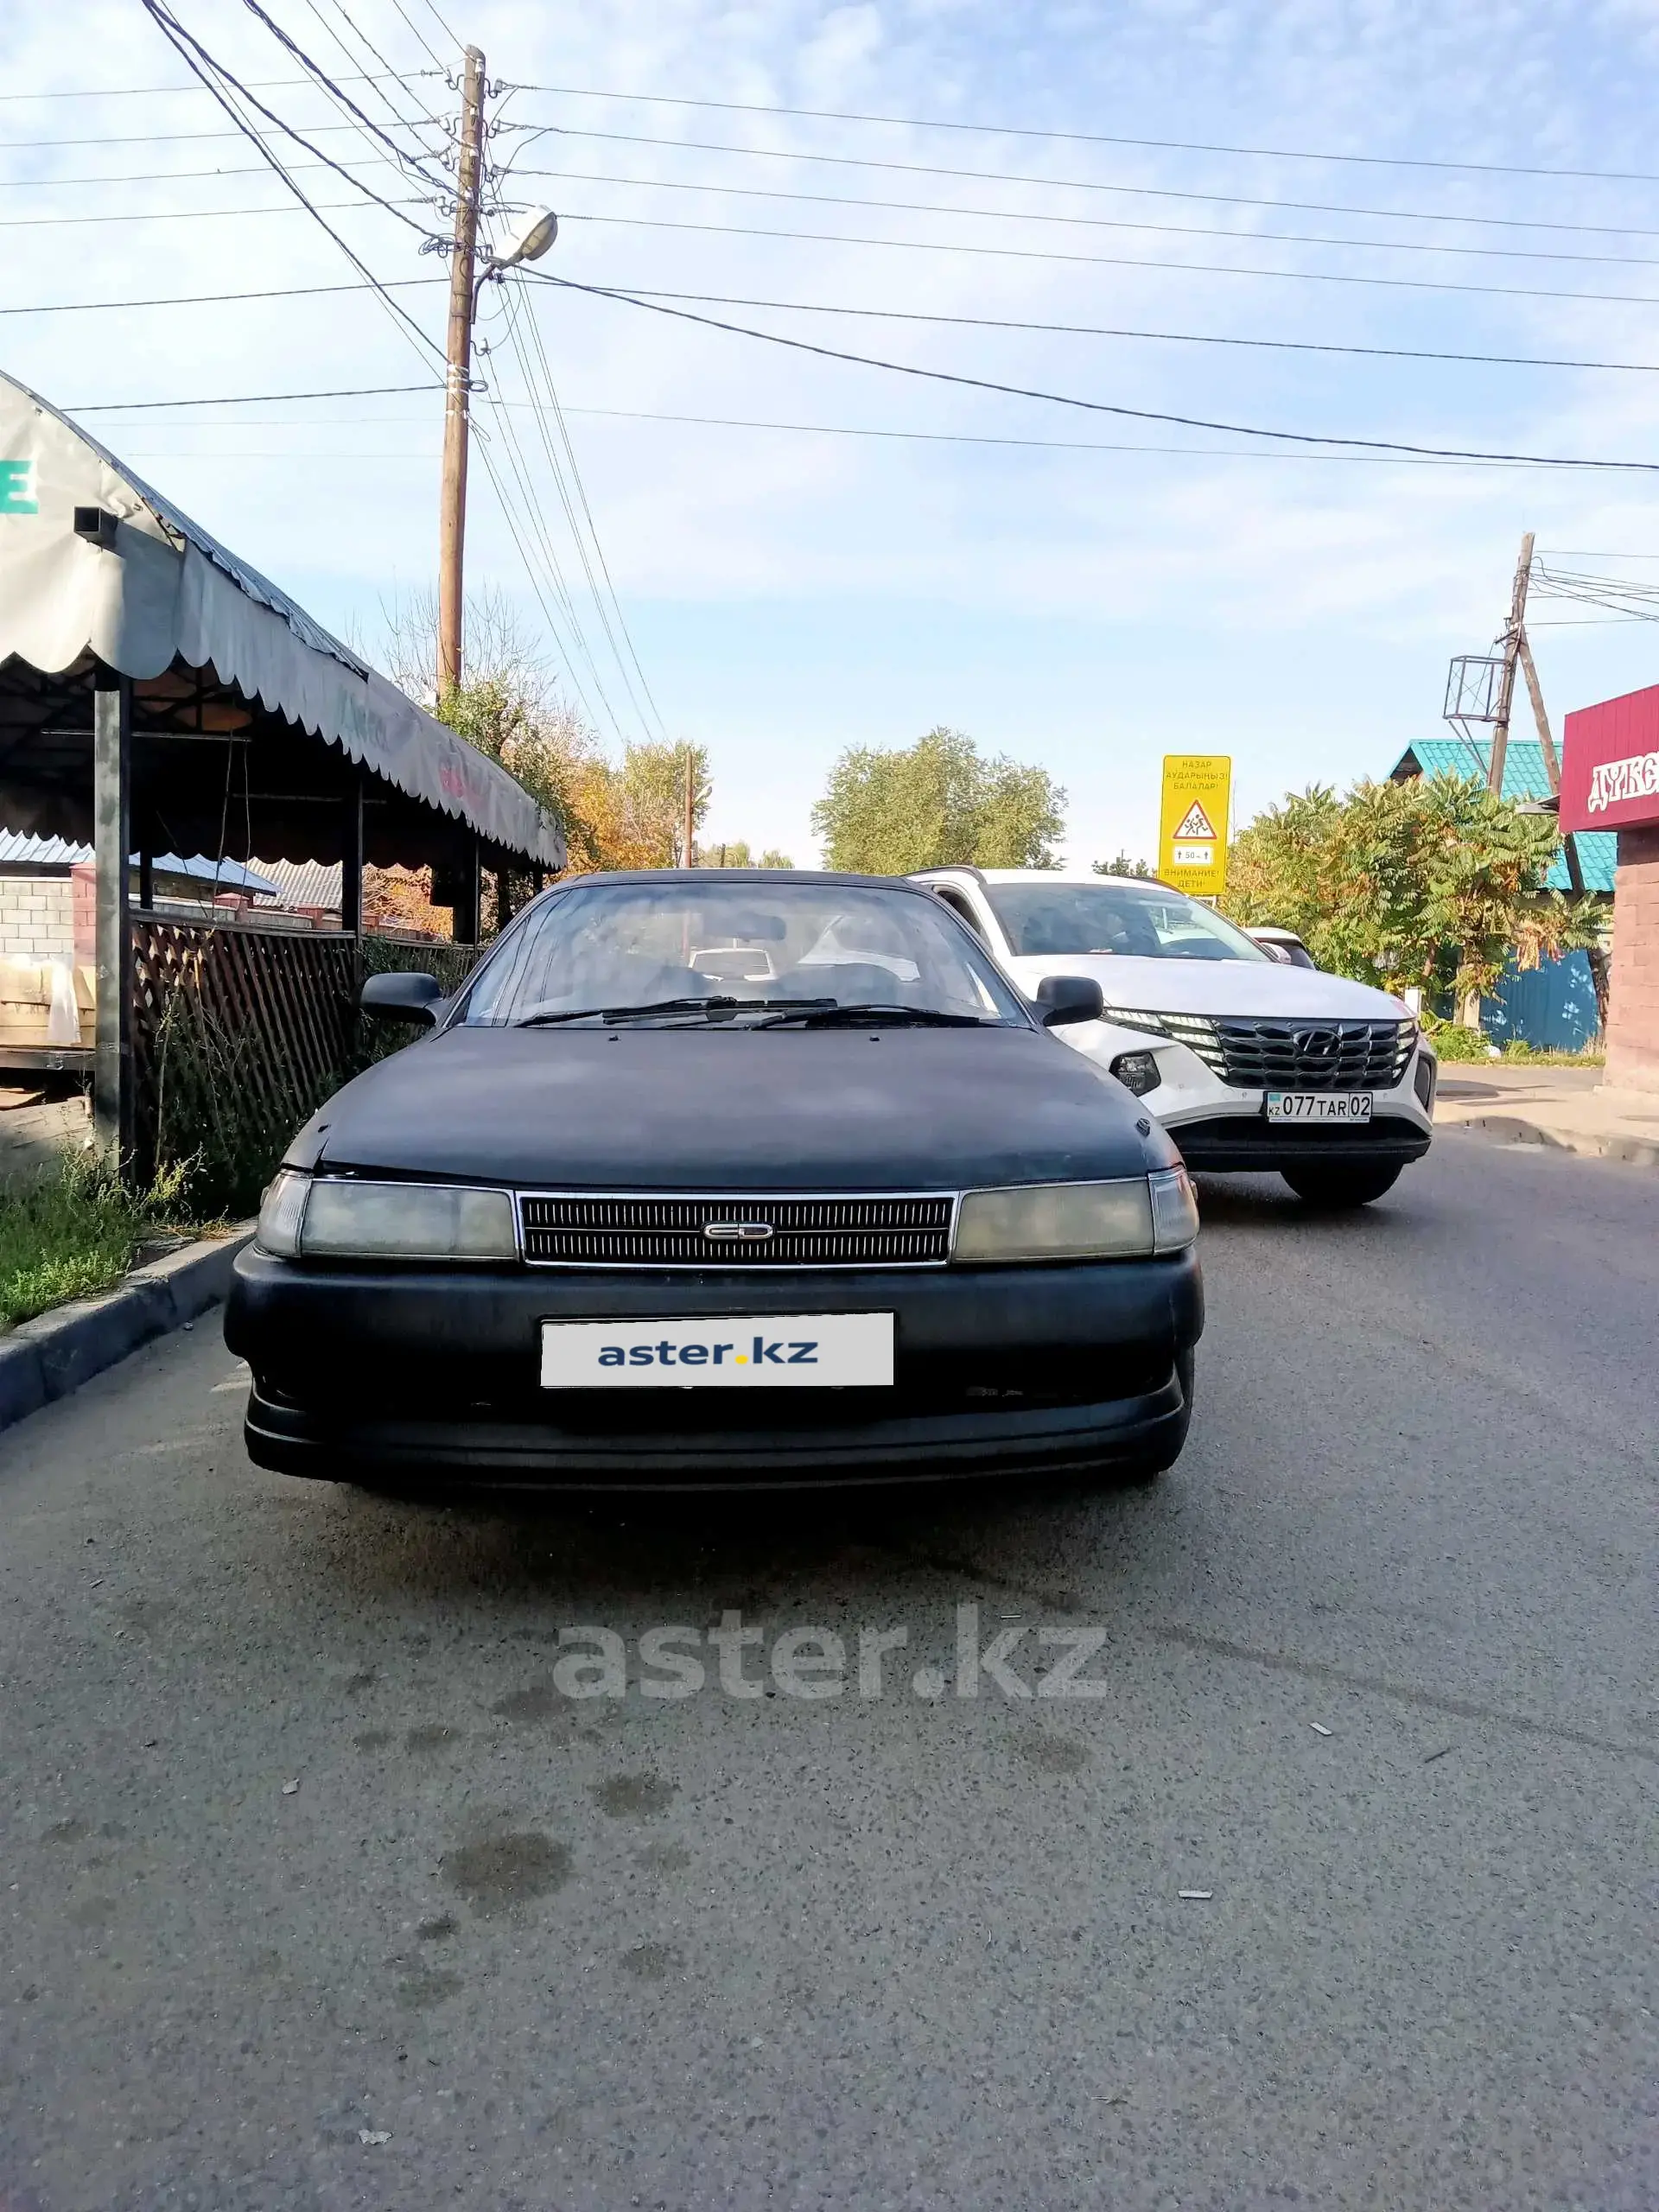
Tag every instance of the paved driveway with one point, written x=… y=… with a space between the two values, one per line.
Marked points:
x=1376 y=1673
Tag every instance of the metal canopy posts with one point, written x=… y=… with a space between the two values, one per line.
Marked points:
x=113 y=841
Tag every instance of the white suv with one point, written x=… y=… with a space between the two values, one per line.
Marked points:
x=1248 y=1062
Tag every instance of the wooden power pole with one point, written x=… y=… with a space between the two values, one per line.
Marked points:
x=457 y=408
x=1514 y=638
x=688 y=826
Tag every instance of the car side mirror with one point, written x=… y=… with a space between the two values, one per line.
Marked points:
x=1068 y=998
x=403 y=996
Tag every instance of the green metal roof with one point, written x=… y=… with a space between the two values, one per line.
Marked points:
x=1523 y=778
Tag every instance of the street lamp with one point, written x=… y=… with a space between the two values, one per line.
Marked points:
x=532 y=243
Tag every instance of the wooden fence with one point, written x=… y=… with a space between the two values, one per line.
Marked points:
x=239 y=1033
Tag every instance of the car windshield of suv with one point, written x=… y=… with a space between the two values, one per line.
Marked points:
x=1137 y=919
x=686 y=952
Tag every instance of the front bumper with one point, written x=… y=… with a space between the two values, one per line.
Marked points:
x=1223 y=1131
x=369 y=1375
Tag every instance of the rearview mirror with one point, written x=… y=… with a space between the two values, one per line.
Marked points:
x=1068 y=998
x=401 y=996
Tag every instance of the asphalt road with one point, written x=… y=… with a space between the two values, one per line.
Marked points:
x=505 y=1947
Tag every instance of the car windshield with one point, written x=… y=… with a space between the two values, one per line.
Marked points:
x=1137 y=919
x=735 y=950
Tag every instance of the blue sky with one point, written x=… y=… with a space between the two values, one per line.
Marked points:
x=789 y=591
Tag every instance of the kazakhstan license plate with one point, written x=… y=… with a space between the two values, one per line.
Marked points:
x=1348 y=1106
x=774 y=1351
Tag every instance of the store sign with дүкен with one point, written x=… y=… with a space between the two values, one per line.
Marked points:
x=1192 y=822
x=1610 y=764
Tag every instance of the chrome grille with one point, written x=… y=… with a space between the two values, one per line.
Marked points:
x=578 y=1230
x=1251 y=1054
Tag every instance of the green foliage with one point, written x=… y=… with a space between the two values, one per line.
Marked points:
x=1121 y=866
x=1436 y=882
x=735 y=854
x=937 y=803
x=1453 y=1041
x=653 y=795
x=73 y=1229
x=1537 y=1056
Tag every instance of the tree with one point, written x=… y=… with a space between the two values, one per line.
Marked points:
x=1121 y=866
x=937 y=803
x=735 y=852
x=1436 y=882
x=625 y=816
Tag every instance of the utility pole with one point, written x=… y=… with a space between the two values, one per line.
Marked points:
x=1595 y=954
x=458 y=376
x=1514 y=638
x=688 y=825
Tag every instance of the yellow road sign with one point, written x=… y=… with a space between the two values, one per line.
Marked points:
x=1192 y=822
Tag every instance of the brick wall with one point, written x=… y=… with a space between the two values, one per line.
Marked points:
x=1633 y=1010
x=37 y=920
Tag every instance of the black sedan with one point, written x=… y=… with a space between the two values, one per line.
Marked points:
x=718 y=1177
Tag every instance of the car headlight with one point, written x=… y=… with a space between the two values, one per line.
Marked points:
x=281 y=1211
x=335 y=1219
x=1057 y=1221
x=1174 y=1209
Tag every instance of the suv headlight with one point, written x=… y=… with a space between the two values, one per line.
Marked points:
x=1068 y=1221
x=330 y=1218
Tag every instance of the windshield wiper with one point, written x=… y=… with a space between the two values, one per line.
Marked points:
x=720 y=1005
x=821 y=1012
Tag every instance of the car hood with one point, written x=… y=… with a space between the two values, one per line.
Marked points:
x=1242 y=987
x=643 y=1108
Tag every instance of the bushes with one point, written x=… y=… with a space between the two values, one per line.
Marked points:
x=73 y=1229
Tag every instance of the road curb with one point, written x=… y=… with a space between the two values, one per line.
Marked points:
x=49 y=1358
x=1514 y=1129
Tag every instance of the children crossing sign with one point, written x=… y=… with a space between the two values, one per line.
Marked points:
x=1192 y=822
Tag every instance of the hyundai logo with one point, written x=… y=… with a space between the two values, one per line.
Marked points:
x=737 y=1232
x=1312 y=1041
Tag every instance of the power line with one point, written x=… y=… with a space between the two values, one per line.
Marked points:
x=1094 y=406
x=388 y=74
x=244 y=398
x=421 y=39
x=818 y=430
x=318 y=207
x=150 y=138
x=1169 y=337
x=199 y=60
x=1094 y=222
x=899 y=315
x=592 y=531
x=1067 y=184
x=176 y=177
x=1095 y=138
x=342 y=99
x=921 y=208
x=1113 y=260
x=218 y=299
x=158 y=91
x=1052 y=445
x=518 y=311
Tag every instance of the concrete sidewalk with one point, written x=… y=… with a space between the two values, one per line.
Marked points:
x=1565 y=1107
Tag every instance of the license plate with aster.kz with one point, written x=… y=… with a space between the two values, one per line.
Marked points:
x=775 y=1351
x=1349 y=1106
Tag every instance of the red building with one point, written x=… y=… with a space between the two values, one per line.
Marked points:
x=1610 y=780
